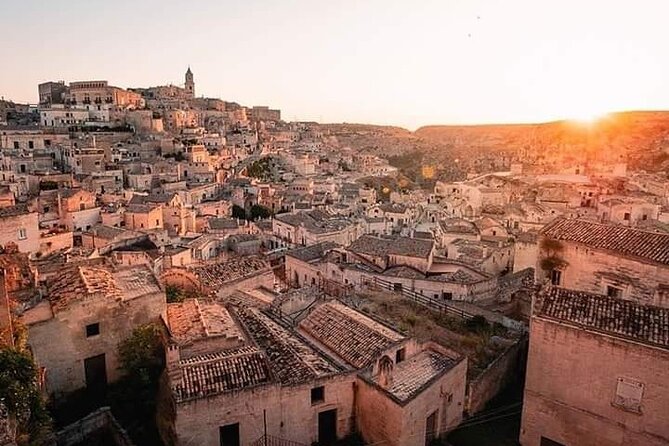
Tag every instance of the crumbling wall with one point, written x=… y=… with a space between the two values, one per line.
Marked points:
x=501 y=372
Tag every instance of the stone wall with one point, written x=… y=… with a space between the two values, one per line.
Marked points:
x=288 y=410
x=49 y=243
x=60 y=345
x=259 y=279
x=96 y=425
x=593 y=270
x=9 y=232
x=572 y=378
x=501 y=372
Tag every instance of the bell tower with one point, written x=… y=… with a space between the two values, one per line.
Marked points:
x=190 y=84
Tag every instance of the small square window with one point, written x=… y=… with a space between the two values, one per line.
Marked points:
x=627 y=216
x=92 y=330
x=317 y=395
x=400 y=355
x=613 y=291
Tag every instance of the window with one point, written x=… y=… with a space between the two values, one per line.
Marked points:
x=400 y=355
x=16 y=144
x=613 y=291
x=317 y=395
x=644 y=217
x=556 y=277
x=31 y=145
x=23 y=234
x=626 y=217
x=92 y=329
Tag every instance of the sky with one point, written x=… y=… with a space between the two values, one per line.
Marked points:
x=407 y=63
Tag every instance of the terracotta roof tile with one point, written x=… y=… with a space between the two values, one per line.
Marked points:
x=617 y=317
x=628 y=241
x=352 y=336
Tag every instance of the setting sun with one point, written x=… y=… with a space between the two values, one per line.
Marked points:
x=588 y=116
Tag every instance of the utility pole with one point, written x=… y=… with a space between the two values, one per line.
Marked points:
x=264 y=422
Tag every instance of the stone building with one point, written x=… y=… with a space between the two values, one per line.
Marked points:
x=310 y=227
x=605 y=259
x=249 y=389
x=330 y=266
x=596 y=372
x=78 y=209
x=258 y=381
x=89 y=309
x=143 y=216
x=398 y=251
x=20 y=226
x=100 y=92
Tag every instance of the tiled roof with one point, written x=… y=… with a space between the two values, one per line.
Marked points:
x=75 y=283
x=312 y=252
x=352 y=336
x=13 y=211
x=403 y=246
x=221 y=372
x=458 y=226
x=315 y=221
x=291 y=359
x=634 y=242
x=223 y=223
x=617 y=317
x=410 y=376
x=190 y=320
x=217 y=274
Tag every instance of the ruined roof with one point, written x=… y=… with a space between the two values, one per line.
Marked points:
x=349 y=334
x=312 y=252
x=291 y=359
x=314 y=221
x=458 y=226
x=13 y=211
x=151 y=198
x=191 y=320
x=628 y=241
x=402 y=246
x=411 y=376
x=216 y=274
x=221 y=372
x=223 y=223
x=76 y=283
x=393 y=208
x=616 y=317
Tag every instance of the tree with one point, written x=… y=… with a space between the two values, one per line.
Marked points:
x=133 y=398
x=238 y=212
x=141 y=355
x=174 y=294
x=21 y=397
x=258 y=211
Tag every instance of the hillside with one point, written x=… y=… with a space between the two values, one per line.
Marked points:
x=641 y=138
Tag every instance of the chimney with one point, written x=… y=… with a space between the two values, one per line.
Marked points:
x=385 y=372
x=172 y=358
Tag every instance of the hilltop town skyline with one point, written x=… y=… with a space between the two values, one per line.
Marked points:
x=440 y=62
x=351 y=223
